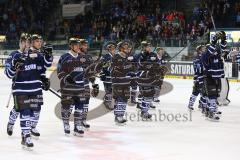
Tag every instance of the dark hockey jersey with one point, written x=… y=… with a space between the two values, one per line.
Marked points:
x=147 y=62
x=212 y=62
x=238 y=58
x=198 y=69
x=121 y=69
x=106 y=69
x=8 y=63
x=74 y=66
x=27 y=79
x=223 y=46
x=161 y=61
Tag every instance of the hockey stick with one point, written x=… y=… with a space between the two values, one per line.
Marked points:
x=9 y=99
x=192 y=43
x=10 y=95
x=55 y=93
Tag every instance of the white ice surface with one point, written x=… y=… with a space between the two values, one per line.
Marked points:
x=196 y=138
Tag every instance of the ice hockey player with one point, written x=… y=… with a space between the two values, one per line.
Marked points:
x=147 y=61
x=198 y=80
x=133 y=58
x=120 y=68
x=226 y=54
x=238 y=57
x=89 y=77
x=106 y=74
x=161 y=61
x=212 y=74
x=47 y=51
x=74 y=85
x=24 y=45
x=26 y=70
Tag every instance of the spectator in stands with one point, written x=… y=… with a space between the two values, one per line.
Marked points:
x=238 y=19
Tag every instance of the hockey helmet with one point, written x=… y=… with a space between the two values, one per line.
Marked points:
x=159 y=49
x=198 y=48
x=73 y=40
x=145 y=44
x=110 y=45
x=83 y=41
x=35 y=37
x=25 y=36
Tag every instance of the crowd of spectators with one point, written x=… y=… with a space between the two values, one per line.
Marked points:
x=17 y=16
x=126 y=19
x=13 y=19
x=237 y=13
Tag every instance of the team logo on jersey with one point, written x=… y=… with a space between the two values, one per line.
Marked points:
x=82 y=60
x=153 y=58
x=130 y=58
x=30 y=67
x=78 y=69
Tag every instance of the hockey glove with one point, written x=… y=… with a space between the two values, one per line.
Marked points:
x=106 y=64
x=69 y=79
x=92 y=79
x=47 y=50
x=17 y=63
x=95 y=90
x=214 y=39
x=45 y=83
x=223 y=36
